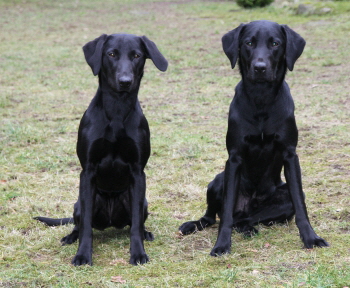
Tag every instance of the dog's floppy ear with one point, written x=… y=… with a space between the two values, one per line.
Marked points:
x=154 y=54
x=93 y=53
x=230 y=44
x=294 y=46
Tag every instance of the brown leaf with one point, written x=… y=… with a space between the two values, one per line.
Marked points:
x=179 y=235
x=229 y=266
x=118 y=279
x=267 y=245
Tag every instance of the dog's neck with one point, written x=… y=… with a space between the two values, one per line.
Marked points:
x=117 y=105
x=261 y=94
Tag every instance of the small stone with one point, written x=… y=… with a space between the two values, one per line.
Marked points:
x=325 y=10
x=305 y=9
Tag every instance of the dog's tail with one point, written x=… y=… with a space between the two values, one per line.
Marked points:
x=54 y=222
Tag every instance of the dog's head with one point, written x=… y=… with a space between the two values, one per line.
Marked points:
x=120 y=59
x=264 y=49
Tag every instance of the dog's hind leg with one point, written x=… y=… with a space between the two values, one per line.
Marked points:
x=72 y=237
x=147 y=235
x=242 y=224
x=278 y=208
x=214 y=194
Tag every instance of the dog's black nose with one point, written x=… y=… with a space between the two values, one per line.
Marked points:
x=260 y=67
x=124 y=82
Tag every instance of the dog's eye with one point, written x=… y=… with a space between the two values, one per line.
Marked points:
x=249 y=43
x=111 y=54
x=137 y=56
x=275 y=44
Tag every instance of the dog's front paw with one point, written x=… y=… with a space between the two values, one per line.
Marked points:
x=220 y=250
x=79 y=260
x=139 y=259
x=315 y=242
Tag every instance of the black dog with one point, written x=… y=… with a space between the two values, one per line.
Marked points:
x=113 y=147
x=261 y=139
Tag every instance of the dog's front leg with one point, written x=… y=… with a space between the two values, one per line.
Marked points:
x=137 y=198
x=86 y=198
x=293 y=177
x=231 y=186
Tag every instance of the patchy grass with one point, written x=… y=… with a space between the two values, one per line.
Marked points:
x=46 y=86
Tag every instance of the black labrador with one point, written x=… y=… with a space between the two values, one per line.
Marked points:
x=113 y=147
x=261 y=140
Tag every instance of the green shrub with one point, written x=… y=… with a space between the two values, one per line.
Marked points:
x=253 y=3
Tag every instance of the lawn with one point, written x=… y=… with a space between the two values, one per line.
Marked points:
x=46 y=85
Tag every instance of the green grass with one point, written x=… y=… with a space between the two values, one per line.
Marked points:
x=45 y=86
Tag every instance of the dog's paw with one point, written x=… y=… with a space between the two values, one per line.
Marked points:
x=189 y=227
x=315 y=242
x=148 y=236
x=69 y=239
x=248 y=231
x=79 y=260
x=138 y=259
x=220 y=250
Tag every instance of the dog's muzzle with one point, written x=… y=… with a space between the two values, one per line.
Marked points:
x=261 y=72
x=260 y=68
x=124 y=82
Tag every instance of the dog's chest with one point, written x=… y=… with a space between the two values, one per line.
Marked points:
x=122 y=148
x=261 y=131
x=113 y=161
x=261 y=138
x=260 y=149
x=113 y=146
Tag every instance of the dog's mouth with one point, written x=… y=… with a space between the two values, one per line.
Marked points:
x=260 y=78
x=266 y=76
x=260 y=72
x=118 y=86
x=124 y=89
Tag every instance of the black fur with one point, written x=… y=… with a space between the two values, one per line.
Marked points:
x=113 y=147
x=261 y=140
